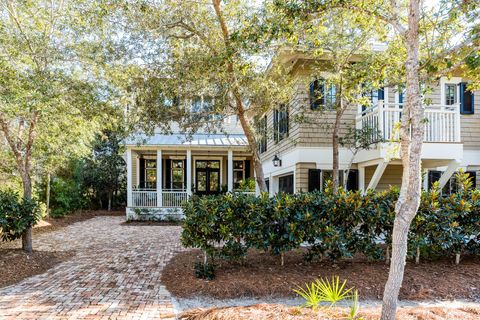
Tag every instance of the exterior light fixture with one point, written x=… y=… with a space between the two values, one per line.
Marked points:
x=276 y=161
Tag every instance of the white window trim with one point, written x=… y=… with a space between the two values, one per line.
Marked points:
x=444 y=81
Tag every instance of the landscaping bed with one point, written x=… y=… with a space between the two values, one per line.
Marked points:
x=260 y=276
x=270 y=312
x=17 y=265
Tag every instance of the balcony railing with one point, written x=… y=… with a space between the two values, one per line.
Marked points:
x=442 y=123
x=147 y=198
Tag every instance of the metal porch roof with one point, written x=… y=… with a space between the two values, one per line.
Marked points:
x=207 y=140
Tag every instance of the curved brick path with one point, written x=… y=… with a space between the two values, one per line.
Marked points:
x=115 y=274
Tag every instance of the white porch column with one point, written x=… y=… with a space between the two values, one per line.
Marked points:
x=271 y=186
x=189 y=173
x=159 y=179
x=129 y=177
x=230 y=171
x=361 y=179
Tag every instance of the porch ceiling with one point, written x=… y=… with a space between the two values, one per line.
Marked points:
x=197 y=140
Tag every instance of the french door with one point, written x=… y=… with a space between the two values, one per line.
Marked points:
x=207 y=177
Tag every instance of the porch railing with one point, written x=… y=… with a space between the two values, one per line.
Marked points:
x=144 y=198
x=173 y=198
x=441 y=122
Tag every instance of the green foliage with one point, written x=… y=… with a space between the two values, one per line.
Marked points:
x=247 y=185
x=204 y=271
x=16 y=215
x=333 y=225
x=311 y=294
x=332 y=292
x=323 y=290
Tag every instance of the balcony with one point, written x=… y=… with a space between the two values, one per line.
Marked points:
x=442 y=123
x=442 y=140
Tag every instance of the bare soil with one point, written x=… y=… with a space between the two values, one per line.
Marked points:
x=16 y=265
x=274 y=312
x=261 y=276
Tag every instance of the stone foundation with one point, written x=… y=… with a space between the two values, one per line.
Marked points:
x=154 y=214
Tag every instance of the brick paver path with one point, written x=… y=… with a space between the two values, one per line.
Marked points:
x=115 y=274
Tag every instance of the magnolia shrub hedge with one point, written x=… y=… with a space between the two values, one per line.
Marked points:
x=16 y=215
x=333 y=225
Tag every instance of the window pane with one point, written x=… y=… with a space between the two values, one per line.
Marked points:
x=177 y=163
x=150 y=163
x=214 y=164
x=202 y=164
x=238 y=164
x=201 y=181
x=450 y=94
x=214 y=181
x=151 y=178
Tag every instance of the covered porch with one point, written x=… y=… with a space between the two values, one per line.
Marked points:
x=163 y=172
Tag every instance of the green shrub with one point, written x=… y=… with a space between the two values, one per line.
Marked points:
x=16 y=215
x=333 y=225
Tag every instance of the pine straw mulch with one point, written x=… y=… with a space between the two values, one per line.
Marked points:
x=280 y=312
x=16 y=265
x=261 y=276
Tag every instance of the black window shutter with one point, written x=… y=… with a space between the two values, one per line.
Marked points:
x=313 y=105
x=267 y=182
x=466 y=100
x=168 y=174
x=352 y=180
x=314 y=179
x=141 y=179
x=381 y=94
x=247 y=169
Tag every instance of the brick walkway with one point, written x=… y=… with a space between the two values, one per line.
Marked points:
x=115 y=274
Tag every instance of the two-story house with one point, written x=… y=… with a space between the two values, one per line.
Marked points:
x=164 y=170
x=304 y=148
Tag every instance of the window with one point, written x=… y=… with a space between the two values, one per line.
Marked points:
x=205 y=105
x=374 y=96
x=262 y=130
x=451 y=186
x=321 y=95
x=280 y=123
x=149 y=180
x=450 y=94
x=238 y=173
x=285 y=184
x=466 y=100
x=317 y=179
x=177 y=174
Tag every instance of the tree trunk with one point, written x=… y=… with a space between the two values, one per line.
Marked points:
x=247 y=128
x=410 y=148
x=335 y=142
x=47 y=195
x=27 y=194
x=109 y=208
